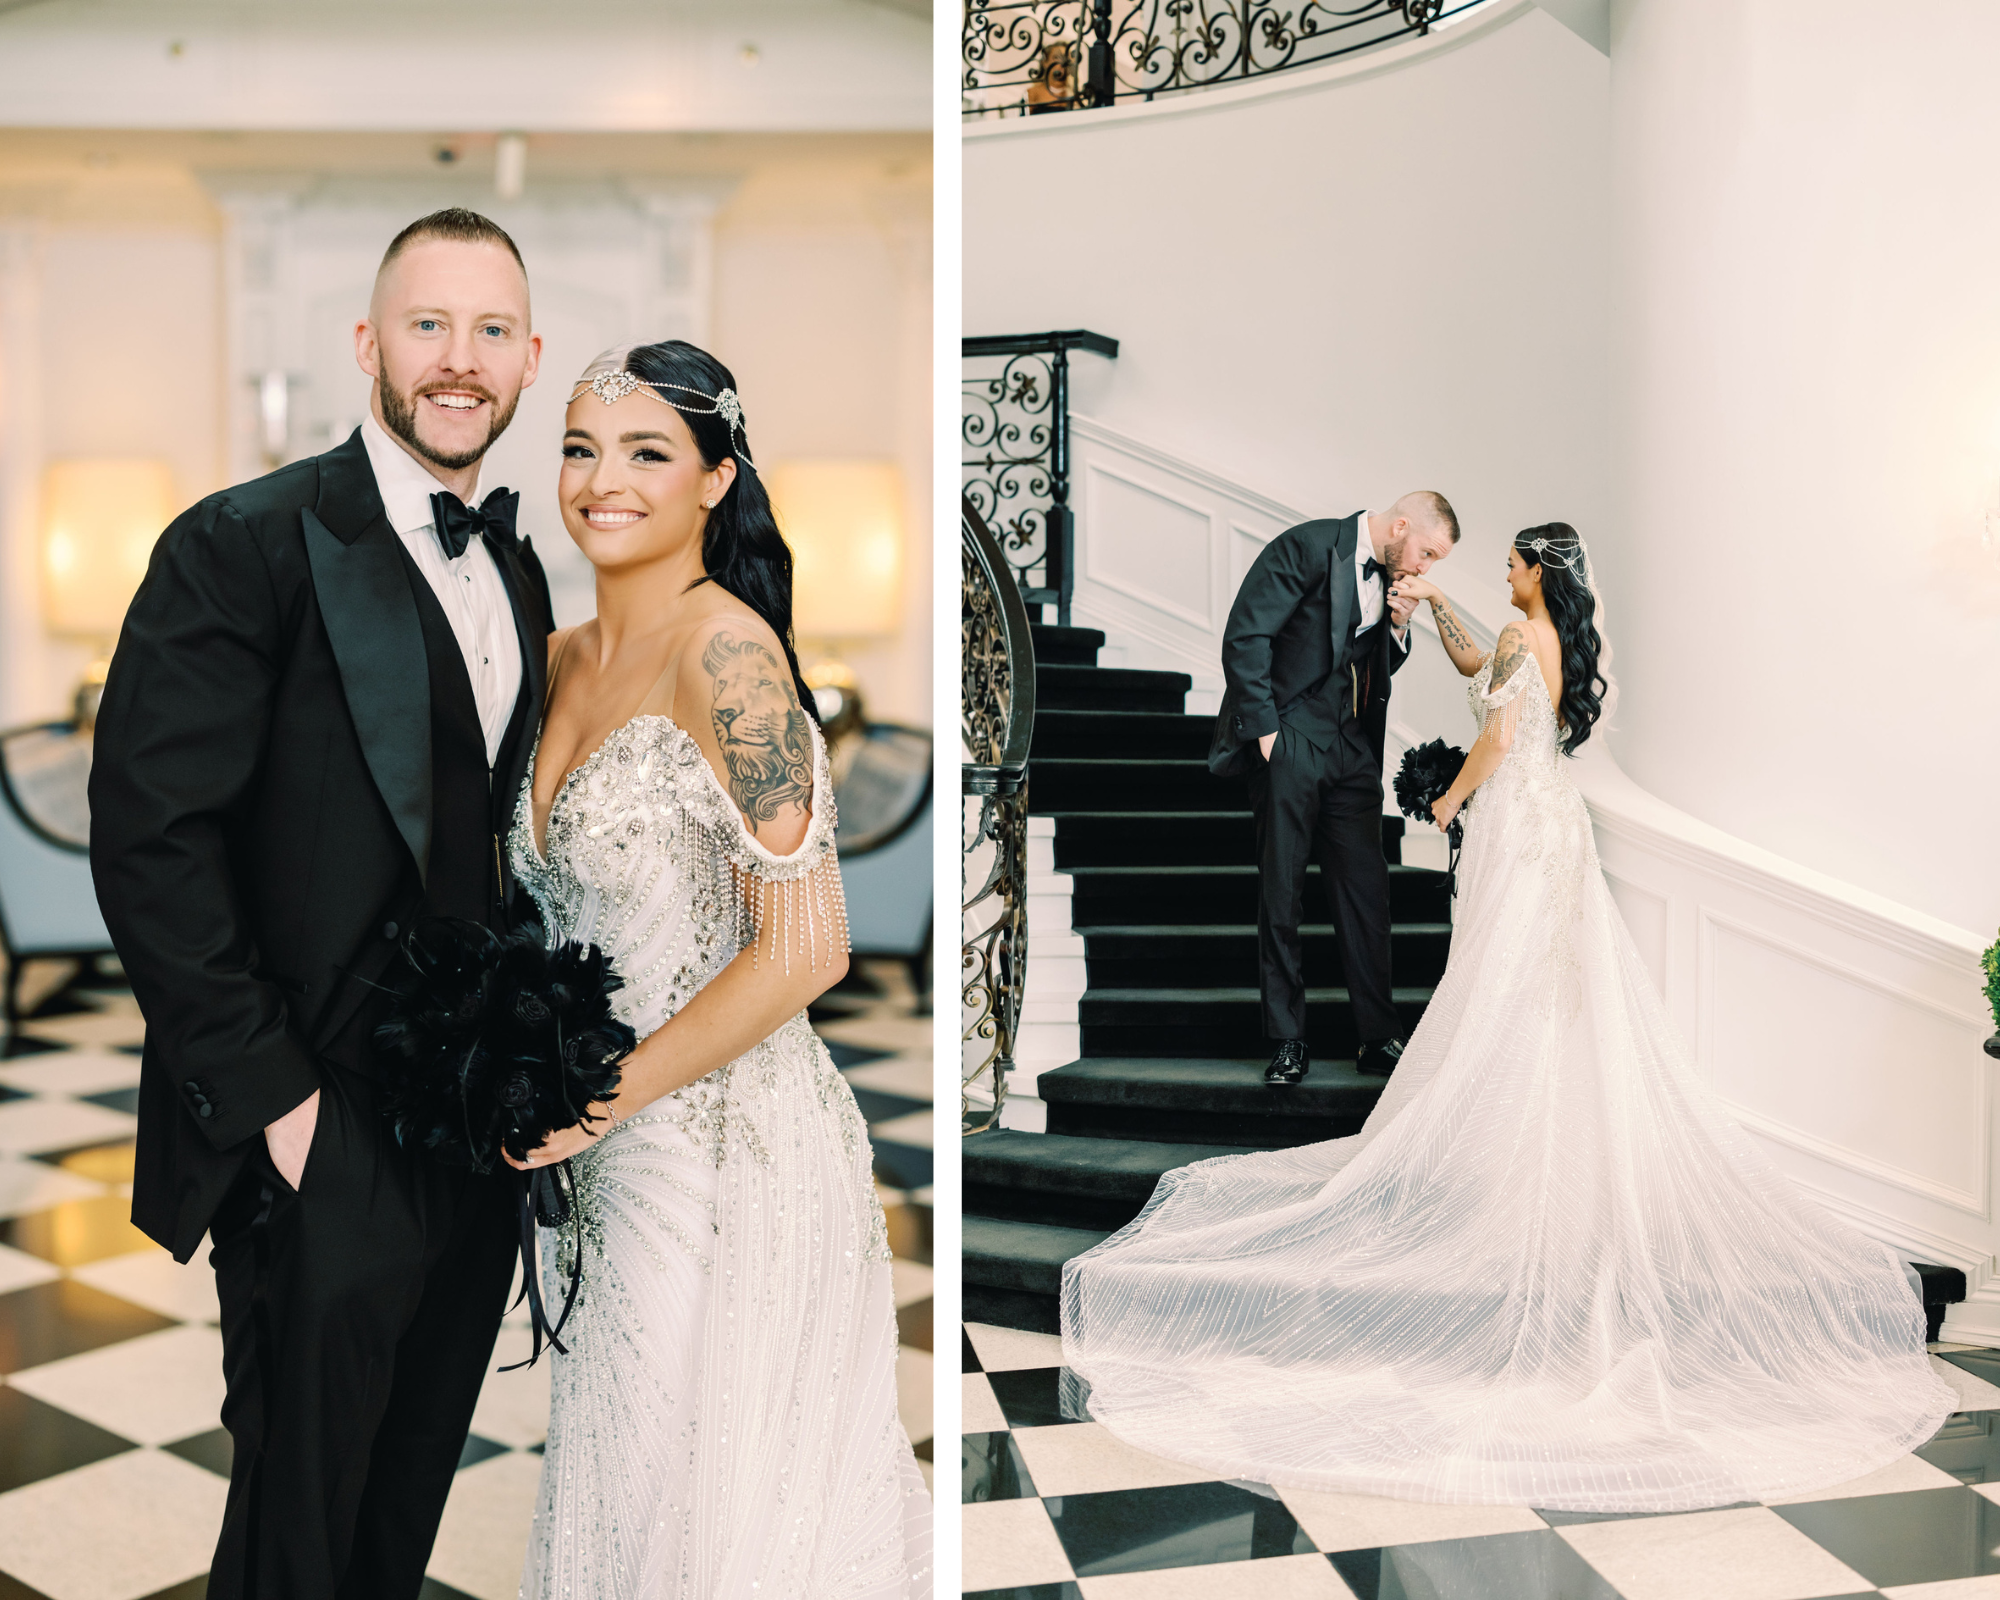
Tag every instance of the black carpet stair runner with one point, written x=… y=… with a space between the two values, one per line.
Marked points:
x=1164 y=895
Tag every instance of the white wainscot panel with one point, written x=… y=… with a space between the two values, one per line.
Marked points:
x=1803 y=1047
x=1645 y=916
x=1245 y=546
x=1148 y=545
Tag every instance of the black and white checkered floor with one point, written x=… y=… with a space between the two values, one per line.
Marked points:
x=112 y=1468
x=1058 y=1510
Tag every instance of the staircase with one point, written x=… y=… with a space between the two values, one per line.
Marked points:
x=1161 y=860
x=1164 y=897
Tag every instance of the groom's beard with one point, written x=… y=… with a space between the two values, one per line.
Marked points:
x=399 y=417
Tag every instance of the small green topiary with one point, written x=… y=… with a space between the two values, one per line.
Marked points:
x=1990 y=964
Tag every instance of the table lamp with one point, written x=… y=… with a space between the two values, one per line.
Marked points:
x=844 y=522
x=100 y=520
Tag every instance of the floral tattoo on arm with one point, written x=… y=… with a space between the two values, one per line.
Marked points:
x=759 y=725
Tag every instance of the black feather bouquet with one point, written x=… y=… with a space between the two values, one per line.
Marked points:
x=1426 y=772
x=497 y=1041
x=492 y=1043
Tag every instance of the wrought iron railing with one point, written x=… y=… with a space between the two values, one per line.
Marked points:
x=1028 y=57
x=1014 y=429
x=997 y=704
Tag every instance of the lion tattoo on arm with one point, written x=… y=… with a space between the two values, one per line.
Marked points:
x=760 y=727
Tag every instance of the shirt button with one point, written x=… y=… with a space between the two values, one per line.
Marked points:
x=389 y=930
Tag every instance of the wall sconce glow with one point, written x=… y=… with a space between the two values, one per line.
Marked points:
x=99 y=523
x=510 y=166
x=844 y=522
x=274 y=414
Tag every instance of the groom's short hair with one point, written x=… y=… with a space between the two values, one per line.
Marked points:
x=457 y=225
x=1440 y=511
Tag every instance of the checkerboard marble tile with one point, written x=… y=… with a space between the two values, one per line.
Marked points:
x=112 y=1467
x=1061 y=1510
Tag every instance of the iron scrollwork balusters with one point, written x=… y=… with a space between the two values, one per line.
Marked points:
x=997 y=697
x=1030 y=57
x=1014 y=424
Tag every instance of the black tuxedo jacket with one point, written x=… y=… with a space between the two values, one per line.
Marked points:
x=1287 y=638
x=263 y=797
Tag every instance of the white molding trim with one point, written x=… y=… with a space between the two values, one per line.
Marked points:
x=1976 y=1202
x=1282 y=85
x=1621 y=809
x=1094 y=470
x=1912 y=1241
x=1138 y=449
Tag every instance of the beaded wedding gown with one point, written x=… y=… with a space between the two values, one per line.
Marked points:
x=724 y=1424
x=1548 y=1271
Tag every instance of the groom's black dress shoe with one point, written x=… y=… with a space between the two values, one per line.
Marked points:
x=1289 y=1064
x=1378 y=1057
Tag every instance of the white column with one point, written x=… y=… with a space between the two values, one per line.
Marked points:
x=28 y=686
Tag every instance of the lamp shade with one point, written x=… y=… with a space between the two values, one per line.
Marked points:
x=100 y=520
x=844 y=522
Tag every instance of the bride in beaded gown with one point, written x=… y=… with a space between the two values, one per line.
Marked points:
x=1549 y=1270
x=724 y=1423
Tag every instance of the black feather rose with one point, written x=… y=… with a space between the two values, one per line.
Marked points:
x=495 y=1041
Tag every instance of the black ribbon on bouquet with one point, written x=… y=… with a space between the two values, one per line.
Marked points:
x=546 y=1197
x=492 y=1042
x=1426 y=772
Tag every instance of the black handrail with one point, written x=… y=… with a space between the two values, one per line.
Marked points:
x=1014 y=423
x=997 y=709
x=1030 y=57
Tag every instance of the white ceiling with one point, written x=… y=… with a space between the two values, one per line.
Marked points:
x=467 y=65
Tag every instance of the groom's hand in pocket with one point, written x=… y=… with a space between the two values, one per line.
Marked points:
x=1264 y=745
x=290 y=1139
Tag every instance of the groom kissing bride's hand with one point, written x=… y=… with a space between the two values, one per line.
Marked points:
x=1313 y=639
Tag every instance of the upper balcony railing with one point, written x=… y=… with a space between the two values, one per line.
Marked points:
x=1031 y=57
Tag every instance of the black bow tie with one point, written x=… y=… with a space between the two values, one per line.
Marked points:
x=456 y=522
x=1369 y=568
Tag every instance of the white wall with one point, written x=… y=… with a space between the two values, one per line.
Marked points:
x=1346 y=284
x=823 y=301
x=1809 y=385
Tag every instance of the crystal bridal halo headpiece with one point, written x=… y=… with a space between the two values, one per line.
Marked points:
x=1573 y=559
x=607 y=378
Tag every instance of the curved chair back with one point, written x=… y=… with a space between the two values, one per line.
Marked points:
x=48 y=905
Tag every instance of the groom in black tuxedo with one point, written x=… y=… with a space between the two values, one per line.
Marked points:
x=317 y=718
x=1313 y=639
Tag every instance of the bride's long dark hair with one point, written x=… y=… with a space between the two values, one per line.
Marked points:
x=1573 y=609
x=741 y=547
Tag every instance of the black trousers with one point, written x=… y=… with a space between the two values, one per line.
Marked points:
x=358 y=1320
x=1323 y=805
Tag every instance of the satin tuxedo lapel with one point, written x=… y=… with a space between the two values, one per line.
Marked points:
x=378 y=642
x=528 y=595
x=1342 y=595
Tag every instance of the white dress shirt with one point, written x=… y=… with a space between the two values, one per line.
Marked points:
x=1368 y=589
x=469 y=589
